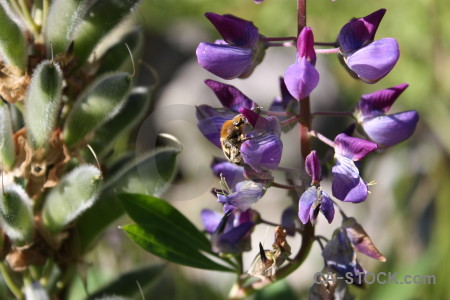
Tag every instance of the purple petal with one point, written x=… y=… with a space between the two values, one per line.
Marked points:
x=225 y=61
x=286 y=101
x=389 y=130
x=353 y=148
x=327 y=207
x=230 y=96
x=301 y=79
x=210 y=220
x=305 y=45
x=232 y=173
x=374 y=61
x=380 y=101
x=313 y=168
x=260 y=123
x=235 y=240
x=211 y=128
x=289 y=220
x=305 y=203
x=234 y=30
x=262 y=151
x=359 y=32
x=347 y=185
x=247 y=193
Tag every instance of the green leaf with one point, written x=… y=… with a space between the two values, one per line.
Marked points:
x=148 y=210
x=100 y=102
x=132 y=112
x=126 y=284
x=42 y=103
x=16 y=218
x=63 y=18
x=277 y=290
x=75 y=193
x=101 y=17
x=117 y=57
x=168 y=243
x=7 y=145
x=13 y=45
x=150 y=174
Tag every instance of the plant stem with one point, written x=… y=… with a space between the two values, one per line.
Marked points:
x=332 y=44
x=10 y=282
x=283 y=186
x=328 y=51
x=277 y=39
x=322 y=138
x=28 y=19
x=284 y=44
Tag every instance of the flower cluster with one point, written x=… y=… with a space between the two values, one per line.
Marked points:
x=249 y=136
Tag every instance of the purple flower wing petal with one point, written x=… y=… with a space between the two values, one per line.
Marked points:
x=380 y=101
x=232 y=173
x=312 y=165
x=327 y=207
x=352 y=147
x=374 y=61
x=235 y=30
x=247 y=193
x=388 y=130
x=305 y=203
x=301 y=79
x=289 y=220
x=210 y=220
x=347 y=185
x=262 y=151
x=235 y=240
x=359 y=32
x=230 y=96
x=225 y=61
x=211 y=128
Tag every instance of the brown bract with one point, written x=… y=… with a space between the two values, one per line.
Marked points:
x=13 y=83
x=42 y=168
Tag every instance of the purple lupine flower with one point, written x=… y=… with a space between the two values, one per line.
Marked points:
x=369 y=60
x=314 y=199
x=245 y=194
x=340 y=255
x=231 y=232
x=212 y=119
x=230 y=172
x=302 y=77
x=263 y=147
x=240 y=51
x=287 y=104
x=347 y=184
x=289 y=220
x=385 y=130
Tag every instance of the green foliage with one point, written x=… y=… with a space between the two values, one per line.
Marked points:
x=13 y=46
x=100 y=102
x=63 y=18
x=99 y=19
x=150 y=174
x=43 y=103
x=74 y=194
x=15 y=213
x=7 y=147
x=165 y=232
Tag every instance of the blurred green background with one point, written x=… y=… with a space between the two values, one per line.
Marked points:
x=408 y=214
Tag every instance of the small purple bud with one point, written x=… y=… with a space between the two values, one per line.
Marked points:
x=301 y=78
x=313 y=168
x=379 y=102
x=305 y=45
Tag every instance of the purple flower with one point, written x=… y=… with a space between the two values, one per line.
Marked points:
x=369 y=60
x=314 y=199
x=230 y=172
x=347 y=185
x=340 y=255
x=263 y=147
x=302 y=77
x=230 y=233
x=212 y=119
x=238 y=54
x=385 y=130
x=245 y=194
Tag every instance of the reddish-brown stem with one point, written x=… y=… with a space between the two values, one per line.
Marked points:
x=301 y=15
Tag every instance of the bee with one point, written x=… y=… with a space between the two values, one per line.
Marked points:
x=232 y=135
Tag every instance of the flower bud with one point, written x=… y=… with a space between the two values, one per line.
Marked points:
x=75 y=193
x=42 y=103
x=7 y=147
x=16 y=217
x=13 y=45
x=100 y=102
